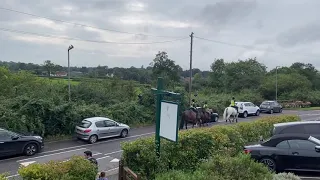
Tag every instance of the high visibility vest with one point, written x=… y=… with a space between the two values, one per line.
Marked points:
x=205 y=106
x=233 y=103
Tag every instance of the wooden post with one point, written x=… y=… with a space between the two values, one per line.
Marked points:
x=120 y=175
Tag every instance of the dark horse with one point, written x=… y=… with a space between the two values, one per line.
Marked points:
x=205 y=116
x=189 y=116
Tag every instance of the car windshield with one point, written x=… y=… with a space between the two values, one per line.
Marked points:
x=266 y=103
x=315 y=140
x=85 y=124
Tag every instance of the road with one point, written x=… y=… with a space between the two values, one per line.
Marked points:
x=107 y=152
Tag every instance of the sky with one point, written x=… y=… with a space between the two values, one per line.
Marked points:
x=125 y=33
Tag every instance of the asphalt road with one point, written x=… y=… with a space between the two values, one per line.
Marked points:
x=107 y=152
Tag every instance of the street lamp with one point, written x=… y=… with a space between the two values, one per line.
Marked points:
x=277 y=82
x=69 y=85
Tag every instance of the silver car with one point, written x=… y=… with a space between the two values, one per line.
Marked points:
x=95 y=128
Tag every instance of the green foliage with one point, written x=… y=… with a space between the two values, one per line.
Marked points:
x=74 y=169
x=217 y=140
x=285 y=176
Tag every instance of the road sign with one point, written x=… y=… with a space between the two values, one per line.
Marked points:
x=169 y=120
x=160 y=93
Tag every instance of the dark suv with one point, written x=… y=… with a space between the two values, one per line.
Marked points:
x=270 y=107
x=311 y=128
x=12 y=143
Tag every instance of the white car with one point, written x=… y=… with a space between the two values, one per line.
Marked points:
x=246 y=108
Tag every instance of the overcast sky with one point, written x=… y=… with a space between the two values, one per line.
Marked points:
x=277 y=32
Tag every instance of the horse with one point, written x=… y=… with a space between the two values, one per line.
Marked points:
x=205 y=115
x=189 y=116
x=230 y=111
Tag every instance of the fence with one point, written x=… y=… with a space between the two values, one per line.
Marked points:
x=125 y=173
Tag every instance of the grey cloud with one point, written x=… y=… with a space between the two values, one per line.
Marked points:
x=299 y=35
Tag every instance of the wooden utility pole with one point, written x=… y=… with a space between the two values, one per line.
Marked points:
x=190 y=78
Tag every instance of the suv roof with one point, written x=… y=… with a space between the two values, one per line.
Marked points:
x=95 y=119
x=295 y=123
x=243 y=102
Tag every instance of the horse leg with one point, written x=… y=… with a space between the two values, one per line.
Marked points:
x=186 y=124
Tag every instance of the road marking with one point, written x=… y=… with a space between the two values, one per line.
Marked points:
x=12 y=176
x=309 y=177
x=27 y=163
x=115 y=160
x=103 y=157
x=51 y=154
x=103 y=142
x=114 y=152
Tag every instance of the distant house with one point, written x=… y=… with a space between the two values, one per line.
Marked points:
x=60 y=74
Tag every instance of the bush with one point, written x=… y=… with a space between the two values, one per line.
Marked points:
x=285 y=176
x=3 y=177
x=223 y=167
x=74 y=169
x=196 y=145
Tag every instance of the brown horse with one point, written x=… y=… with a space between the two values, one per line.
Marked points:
x=205 y=115
x=189 y=116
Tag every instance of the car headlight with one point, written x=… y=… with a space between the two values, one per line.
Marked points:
x=38 y=137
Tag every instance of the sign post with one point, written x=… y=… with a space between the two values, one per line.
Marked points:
x=166 y=115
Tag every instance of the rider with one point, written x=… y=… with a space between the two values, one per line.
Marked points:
x=233 y=104
x=194 y=106
x=205 y=106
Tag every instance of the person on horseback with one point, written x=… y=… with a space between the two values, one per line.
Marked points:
x=194 y=107
x=205 y=106
x=233 y=104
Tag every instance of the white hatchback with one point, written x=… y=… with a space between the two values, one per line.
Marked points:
x=246 y=108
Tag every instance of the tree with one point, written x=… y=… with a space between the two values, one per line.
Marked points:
x=49 y=66
x=165 y=67
x=217 y=75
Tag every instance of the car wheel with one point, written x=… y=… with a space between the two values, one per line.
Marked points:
x=257 y=113
x=124 y=133
x=245 y=114
x=270 y=163
x=271 y=111
x=93 y=139
x=280 y=111
x=30 y=149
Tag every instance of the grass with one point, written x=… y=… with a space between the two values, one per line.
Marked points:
x=304 y=109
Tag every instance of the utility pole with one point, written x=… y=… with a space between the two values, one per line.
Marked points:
x=69 y=72
x=277 y=82
x=190 y=78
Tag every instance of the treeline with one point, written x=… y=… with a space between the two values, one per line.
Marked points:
x=32 y=103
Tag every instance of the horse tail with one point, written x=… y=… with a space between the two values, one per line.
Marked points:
x=225 y=113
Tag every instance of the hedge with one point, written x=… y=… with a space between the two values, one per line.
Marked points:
x=74 y=169
x=196 y=145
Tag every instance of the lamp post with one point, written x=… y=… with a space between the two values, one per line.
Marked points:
x=69 y=85
x=277 y=83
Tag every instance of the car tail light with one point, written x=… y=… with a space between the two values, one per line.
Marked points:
x=247 y=151
x=87 y=131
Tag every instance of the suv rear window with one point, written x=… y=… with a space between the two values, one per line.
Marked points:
x=85 y=124
x=266 y=103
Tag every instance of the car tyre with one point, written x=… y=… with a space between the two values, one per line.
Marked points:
x=124 y=133
x=270 y=163
x=30 y=149
x=271 y=111
x=280 y=111
x=245 y=114
x=93 y=139
x=257 y=113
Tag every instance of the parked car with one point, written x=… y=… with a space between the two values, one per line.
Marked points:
x=289 y=152
x=311 y=128
x=270 y=107
x=247 y=108
x=96 y=128
x=12 y=143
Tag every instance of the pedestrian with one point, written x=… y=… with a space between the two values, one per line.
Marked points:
x=102 y=176
x=88 y=155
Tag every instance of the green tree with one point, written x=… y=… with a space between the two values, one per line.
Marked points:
x=217 y=75
x=165 y=67
x=49 y=67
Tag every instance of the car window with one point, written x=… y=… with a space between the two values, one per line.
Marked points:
x=283 y=145
x=293 y=129
x=100 y=124
x=251 y=104
x=247 y=104
x=4 y=135
x=265 y=103
x=110 y=123
x=301 y=144
x=312 y=128
x=85 y=124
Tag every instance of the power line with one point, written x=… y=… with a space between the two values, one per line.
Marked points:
x=83 y=25
x=93 y=41
x=251 y=47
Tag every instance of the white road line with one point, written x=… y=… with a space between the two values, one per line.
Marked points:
x=50 y=154
x=114 y=152
x=102 y=142
x=112 y=169
x=12 y=176
x=102 y=158
x=309 y=177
